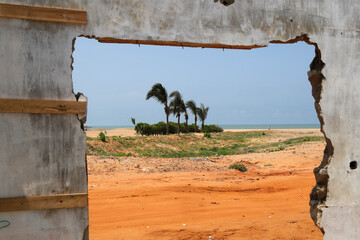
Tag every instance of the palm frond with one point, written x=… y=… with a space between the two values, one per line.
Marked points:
x=177 y=104
x=158 y=92
x=202 y=112
x=175 y=94
x=192 y=106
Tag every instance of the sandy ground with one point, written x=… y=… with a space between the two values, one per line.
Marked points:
x=123 y=132
x=130 y=132
x=200 y=198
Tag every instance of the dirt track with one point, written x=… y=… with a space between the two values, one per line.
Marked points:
x=149 y=198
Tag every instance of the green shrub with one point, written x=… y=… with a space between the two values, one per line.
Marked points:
x=142 y=128
x=207 y=134
x=212 y=128
x=160 y=128
x=182 y=127
x=102 y=136
x=240 y=167
x=172 y=128
x=191 y=128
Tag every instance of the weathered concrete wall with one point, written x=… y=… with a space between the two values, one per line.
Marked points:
x=36 y=58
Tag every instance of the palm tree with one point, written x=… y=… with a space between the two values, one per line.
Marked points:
x=177 y=106
x=186 y=117
x=202 y=112
x=193 y=108
x=160 y=94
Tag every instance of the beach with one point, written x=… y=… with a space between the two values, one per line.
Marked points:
x=130 y=132
x=201 y=198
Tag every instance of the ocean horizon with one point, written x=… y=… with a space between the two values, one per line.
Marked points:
x=229 y=126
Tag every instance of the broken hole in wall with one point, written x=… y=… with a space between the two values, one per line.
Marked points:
x=165 y=188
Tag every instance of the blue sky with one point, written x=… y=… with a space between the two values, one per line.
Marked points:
x=260 y=86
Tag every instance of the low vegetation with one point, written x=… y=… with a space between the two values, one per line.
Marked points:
x=240 y=167
x=102 y=136
x=194 y=145
x=160 y=128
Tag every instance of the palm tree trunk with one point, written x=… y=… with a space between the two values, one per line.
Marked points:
x=186 y=124
x=167 y=112
x=195 y=123
x=178 y=124
x=202 y=127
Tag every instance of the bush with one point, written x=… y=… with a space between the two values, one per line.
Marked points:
x=160 y=128
x=212 y=128
x=207 y=134
x=172 y=128
x=240 y=167
x=102 y=136
x=191 y=128
x=142 y=128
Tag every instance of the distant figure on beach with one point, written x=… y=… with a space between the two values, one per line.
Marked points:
x=269 y=127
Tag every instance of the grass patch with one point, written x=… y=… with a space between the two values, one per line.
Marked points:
x=194 y=145
x=240 y=167
x=298 y=140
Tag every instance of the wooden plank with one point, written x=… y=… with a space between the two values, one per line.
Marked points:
x=43 y=202
x=42 y=106
x=177 y=44
x=47 y=14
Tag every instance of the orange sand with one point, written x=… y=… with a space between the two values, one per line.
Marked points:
x=149 y=198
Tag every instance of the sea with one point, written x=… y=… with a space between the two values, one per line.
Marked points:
x=233 y=126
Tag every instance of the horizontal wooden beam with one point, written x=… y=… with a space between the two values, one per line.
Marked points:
x=43 y=202
x=42 y=106
x=177 y=44
x=47 y=14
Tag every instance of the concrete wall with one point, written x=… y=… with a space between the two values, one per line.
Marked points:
x=36 y=59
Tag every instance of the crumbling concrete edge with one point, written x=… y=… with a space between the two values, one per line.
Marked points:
x=82 y=120
x=318 y=194
x=80 y=97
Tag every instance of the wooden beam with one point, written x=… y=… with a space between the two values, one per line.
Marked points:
x=177 y=44
x=42 y=106
x=46 y=14
x=44 y=202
